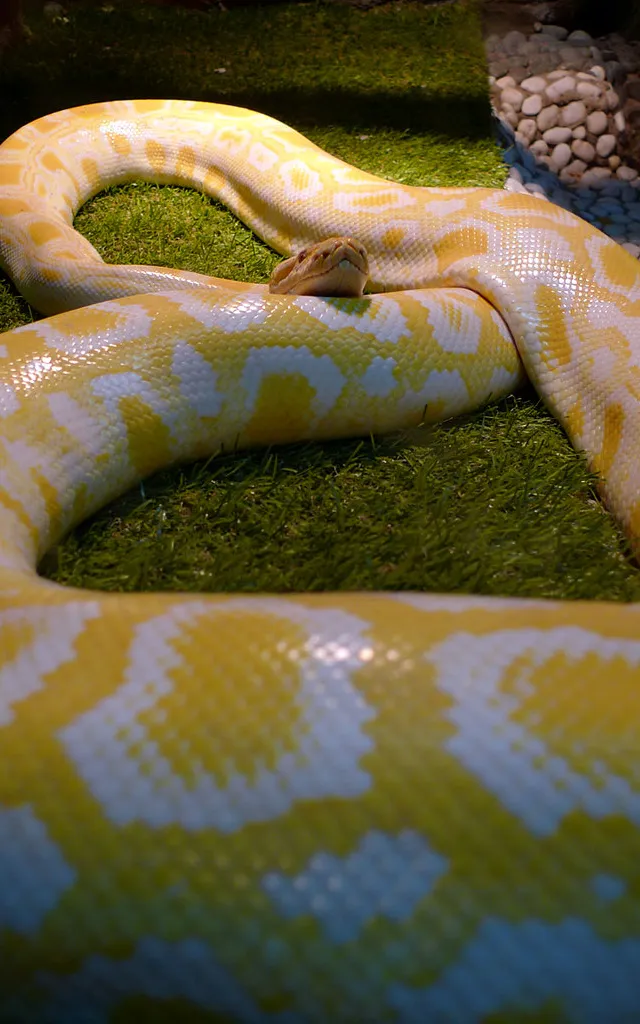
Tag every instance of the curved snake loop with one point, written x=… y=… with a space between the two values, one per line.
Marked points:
x=305 y=808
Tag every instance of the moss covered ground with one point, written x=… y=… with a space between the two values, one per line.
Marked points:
x=498 y=503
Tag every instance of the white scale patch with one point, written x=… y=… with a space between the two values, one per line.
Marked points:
x=385 y=876
x=231 y=315
x=143 y=787
x=34 y=873
x=444 y=207
x=96 y=431
x=231 y=140
x=345 y=175
x=122 y=127
x=504 y=382
x=198 y=380
x=537 y=787
x=56 y=630
x=112 y=387
x=444 y=387
x=378 y=379
x=378 y=315
x=456 y=326
x=9 y=402
x=133 y=323
x=525 y=966
x=26 y=457
x=321 y=372
x=261 y=157
x=88 y=429
x=299 y=181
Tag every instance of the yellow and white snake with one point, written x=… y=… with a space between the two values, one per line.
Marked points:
x=333 y=807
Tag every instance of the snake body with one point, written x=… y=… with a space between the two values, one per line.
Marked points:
x=305 y=808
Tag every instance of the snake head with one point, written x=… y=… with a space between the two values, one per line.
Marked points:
x=335 y=266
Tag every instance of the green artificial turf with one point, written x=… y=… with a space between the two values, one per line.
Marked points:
x=498 y=503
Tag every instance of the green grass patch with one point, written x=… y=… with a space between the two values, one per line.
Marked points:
x=498 y=503
x=443 y=509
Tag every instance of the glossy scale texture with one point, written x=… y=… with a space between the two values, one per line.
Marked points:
x=337 y=807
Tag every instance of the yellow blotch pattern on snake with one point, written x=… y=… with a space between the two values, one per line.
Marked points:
x=344 y=807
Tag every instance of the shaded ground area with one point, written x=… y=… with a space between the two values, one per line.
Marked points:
x=496 y=504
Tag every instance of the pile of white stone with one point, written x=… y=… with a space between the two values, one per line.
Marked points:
x=552 y=46
x=614 y=206
x=570 y=120
x=559 y=103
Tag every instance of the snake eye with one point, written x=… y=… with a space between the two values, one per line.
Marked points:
x=301 y=256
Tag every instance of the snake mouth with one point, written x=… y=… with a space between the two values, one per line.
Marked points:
x=334 y=267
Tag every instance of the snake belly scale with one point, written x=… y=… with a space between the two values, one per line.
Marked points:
x=305 y=808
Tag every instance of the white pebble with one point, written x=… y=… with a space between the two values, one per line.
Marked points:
x=573 y=114
x=612 y=99
x=596 y=177
x=597 y=122
x=535 y=84
x=605 y=145
x=506 y=82
x=527 y=129
x=548 y=118
x=556 y=31
x=598 y=72
x=539 y=148
x=556 y=135
x=583 y=150
x=579 y=38
x=619 y=121
x=536 y=189
x=626 y=173
x=513 y=40
x=588 y=90
x=513 y=97
x=563 y=90
x=532 y=105
x=632 y=248
x=580 y=132
x=573 y=172
x=561 y=156
x=512 y=185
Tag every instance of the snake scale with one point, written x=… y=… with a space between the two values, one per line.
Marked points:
x=305 y=808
